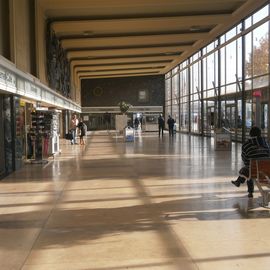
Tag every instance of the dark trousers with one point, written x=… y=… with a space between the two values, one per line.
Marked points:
x=160 y=130
x=171 y=131
x=250 y=183
x=243 y=174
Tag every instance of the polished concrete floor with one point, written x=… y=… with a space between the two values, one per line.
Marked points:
x=154 y=203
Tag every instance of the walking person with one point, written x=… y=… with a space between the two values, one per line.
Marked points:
x=136 y=123
x=170 y=123
x=73 y=128
x=82 y=127
x=161 y=125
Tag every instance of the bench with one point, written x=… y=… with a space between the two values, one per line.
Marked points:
x=259 y=171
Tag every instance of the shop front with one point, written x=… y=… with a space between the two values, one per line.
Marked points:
x=7 y=142
x=27 y=132
x=43 y=134
x=2 y=142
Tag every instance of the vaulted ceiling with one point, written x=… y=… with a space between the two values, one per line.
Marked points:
x=117 y=38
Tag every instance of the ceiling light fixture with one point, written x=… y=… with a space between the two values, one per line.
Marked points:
x=87 y=33
x=194 y=28
x=169 y=53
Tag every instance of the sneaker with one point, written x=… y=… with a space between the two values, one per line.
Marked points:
x=236 y=183
x=250 y=195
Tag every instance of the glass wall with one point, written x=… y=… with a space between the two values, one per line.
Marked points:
x=210 y=88
x=184 y=98
x=257 y=73
x=175 y=97
x=225 y=84
x=168 y=96
x=195 y=94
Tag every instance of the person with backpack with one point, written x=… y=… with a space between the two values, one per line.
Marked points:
x=170 y=123
x=161 y=125
x=82 y=127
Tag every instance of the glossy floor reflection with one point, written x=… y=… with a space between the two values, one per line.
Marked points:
x=156 y=203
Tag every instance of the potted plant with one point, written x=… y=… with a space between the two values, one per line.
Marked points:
x=123 y=106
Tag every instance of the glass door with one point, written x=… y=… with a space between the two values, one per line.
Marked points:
x=230 y=119
x=210 y=119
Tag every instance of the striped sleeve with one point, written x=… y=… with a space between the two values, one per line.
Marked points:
x=255 y=148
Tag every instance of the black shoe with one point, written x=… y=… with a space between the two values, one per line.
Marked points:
x=250 y=195
x=236 y=183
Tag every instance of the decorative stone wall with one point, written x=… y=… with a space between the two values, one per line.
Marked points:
x=138 y=91
x=58 y=66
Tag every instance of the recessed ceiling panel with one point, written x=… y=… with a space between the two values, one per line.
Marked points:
x=106 y=38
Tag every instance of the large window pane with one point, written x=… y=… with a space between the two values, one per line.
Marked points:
x=231 y=34
x=210 y=70
x=230 y=62
x=260 y=50
x=248 y=55
x=175 y=111
x=259 y=82
x=248 y=22
x=175 y=86
x=239 y=58
x=261 y=14
x=195 y=116
x=168 y=95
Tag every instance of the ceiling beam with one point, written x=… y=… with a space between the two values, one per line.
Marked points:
x=107 y=61
x=129 y=52
x=119 y=67
x=131 y=40
x=71 y=4
x=152 y=70
x=116 y=76
x=137 y=24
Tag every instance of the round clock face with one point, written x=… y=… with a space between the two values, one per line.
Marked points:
x=98 y=91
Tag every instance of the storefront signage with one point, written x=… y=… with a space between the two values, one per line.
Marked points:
x=257 y=93
x=33 y=89
x=8 y=78
x=22 y=103
x=2 y=76
x=17 y=82
x=20 y=86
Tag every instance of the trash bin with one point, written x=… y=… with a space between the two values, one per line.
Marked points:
x=174 y=128
x=223 y=140
x=129 y=134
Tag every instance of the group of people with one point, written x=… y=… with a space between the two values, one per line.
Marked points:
x=75 y=125
x=161 y=125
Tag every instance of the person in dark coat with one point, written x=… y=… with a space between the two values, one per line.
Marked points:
x=161 y=125
x=82 y=127
x=136 y=123
x=170 y=123
x=255 y=147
